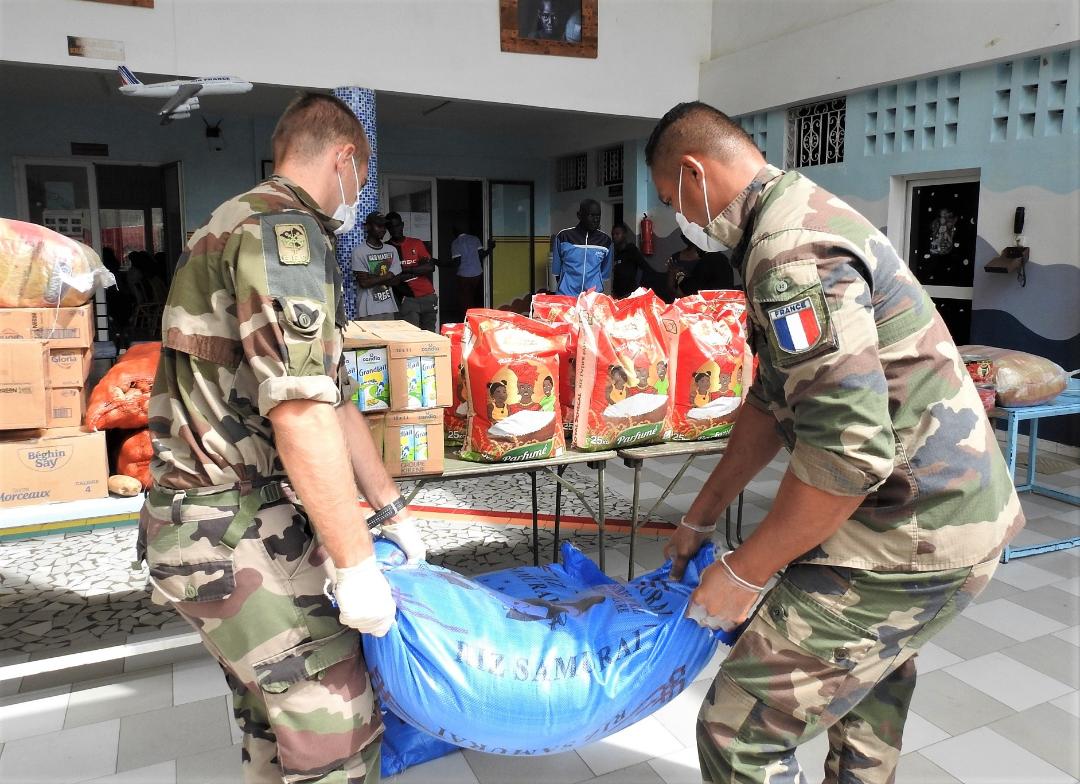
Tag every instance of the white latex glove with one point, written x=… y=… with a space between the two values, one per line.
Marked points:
x=722 y=600
x=363 y=598
x=406 y=535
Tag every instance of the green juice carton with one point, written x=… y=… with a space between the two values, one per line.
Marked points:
x=428 y=391
x=373 y=376
x=415 y=381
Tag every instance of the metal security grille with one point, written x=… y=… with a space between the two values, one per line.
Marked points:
x=572 y=172
x=816 y=133
x=609 y=165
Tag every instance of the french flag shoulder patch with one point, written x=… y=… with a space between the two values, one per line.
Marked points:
x=796 y=325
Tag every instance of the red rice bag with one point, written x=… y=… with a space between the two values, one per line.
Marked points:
x=623 y=372
x=712 y=350
x=122 y=397
x=562 y=309
x=455 y=416
x=512 y=374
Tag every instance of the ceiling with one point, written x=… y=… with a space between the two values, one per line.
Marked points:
x=544 y=132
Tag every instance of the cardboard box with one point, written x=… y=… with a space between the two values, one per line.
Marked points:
x=65 y=407
x=397 y=462
x=61 y=466
x=377 y=425
x=62 y=327
x=22 y=384
x=404 y=350
x=67 y=367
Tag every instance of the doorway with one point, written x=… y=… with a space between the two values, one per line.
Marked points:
x=460 y=210
x=133 y=210
x=513 y=263
x=941 y=227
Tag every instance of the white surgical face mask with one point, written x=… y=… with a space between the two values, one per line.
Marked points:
x=346 y=213
x=695 y=233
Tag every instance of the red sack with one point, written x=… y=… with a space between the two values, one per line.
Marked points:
x=121 y=399
x=454 y=418
x=712 y=348
x=623 y=371
x=562 y=309
x=134 y=457
x=512 y=372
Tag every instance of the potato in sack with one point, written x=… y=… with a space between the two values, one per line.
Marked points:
x=512 y=374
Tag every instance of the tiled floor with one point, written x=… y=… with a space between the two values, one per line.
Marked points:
x=997 y=699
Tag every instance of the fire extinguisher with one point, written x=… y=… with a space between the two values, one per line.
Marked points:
x=646 y=234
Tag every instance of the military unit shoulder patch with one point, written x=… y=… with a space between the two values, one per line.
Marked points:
x=796 y=325
x=292 y=243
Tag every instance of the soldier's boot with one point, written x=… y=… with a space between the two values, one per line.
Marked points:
x=864 y=745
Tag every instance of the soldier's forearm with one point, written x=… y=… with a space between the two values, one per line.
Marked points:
x=801 y=518
x=375 y=484
x=312 y=446
x=752 y=445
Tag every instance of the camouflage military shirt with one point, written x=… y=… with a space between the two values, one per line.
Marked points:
x=866 y=384
x=252 y=319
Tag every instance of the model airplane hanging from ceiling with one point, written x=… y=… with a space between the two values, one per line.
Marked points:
x=183 y=94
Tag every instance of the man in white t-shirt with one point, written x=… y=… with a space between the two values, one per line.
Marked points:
x=377 y=267
x=467 y=252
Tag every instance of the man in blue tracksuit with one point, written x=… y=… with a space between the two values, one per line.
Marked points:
x=581 y=257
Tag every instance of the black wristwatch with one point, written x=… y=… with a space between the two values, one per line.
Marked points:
x=388 y=511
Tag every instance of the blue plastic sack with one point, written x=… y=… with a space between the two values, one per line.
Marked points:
x=536 y=660
x=404 y=746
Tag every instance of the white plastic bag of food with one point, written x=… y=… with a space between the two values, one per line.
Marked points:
x=1022 y=379
x=40 y=268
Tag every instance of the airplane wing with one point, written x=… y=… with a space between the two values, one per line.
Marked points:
x=185 y=92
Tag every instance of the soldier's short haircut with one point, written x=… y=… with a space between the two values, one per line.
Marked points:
x=695 y=128
x=314 y=121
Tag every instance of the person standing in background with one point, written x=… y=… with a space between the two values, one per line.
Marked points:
x=377 y=268
x=582 y=256
x=692 y=270
x=468 y=253
x=629 y=264
x=419 y=302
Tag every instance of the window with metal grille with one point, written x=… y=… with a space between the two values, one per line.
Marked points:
x=572 y=172
x=609 y=165
x=815 y=133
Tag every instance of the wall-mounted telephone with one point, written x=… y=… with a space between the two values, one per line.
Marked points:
x=1015 y=257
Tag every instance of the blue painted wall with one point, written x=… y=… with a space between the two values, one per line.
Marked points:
x=1018 y=124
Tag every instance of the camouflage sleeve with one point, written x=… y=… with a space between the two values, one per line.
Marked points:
x=819 y=350
x=283 y=301
x=755 y=396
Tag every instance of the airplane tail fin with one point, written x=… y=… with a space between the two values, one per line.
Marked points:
x=126 y=76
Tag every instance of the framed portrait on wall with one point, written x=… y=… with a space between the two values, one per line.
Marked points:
x=564 y=28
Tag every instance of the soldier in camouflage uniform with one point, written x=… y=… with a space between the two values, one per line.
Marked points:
x=248 y=414
x=896 y=503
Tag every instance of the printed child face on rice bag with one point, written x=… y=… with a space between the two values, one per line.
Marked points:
x=622 y=364
x=711 y=351
x=454 y=416
x=512 y=376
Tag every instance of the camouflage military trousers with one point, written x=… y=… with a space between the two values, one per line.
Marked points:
x=829 y=649
x=301 y=692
